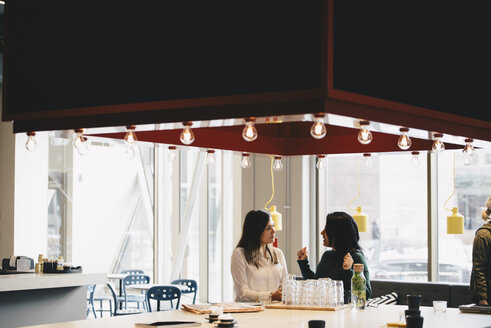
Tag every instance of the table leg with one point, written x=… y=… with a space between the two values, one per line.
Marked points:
x=120 y=293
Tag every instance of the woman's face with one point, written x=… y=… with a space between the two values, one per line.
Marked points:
x=325 y=241
x=267 y=237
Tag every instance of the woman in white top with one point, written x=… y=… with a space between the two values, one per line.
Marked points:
x=257 y=267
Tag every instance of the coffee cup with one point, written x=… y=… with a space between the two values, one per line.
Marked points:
x=317 y=323
x=414 y=321
x=413 y=302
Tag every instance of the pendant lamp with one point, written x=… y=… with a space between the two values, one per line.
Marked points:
x=360 y=218
x=455 y=222
x=275 y=215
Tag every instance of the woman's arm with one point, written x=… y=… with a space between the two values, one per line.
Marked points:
x=238 y=268
x=480 y=258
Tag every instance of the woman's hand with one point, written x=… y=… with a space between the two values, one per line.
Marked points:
x=277 y=295
x=302 y=254
x=483 y=302
x=347 y=262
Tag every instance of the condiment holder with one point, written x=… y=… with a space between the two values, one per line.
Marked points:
x=225 y=321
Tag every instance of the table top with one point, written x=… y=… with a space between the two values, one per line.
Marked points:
x=368 y=318
x=27 y=281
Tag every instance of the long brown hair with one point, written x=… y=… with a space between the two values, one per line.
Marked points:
x=254 y=224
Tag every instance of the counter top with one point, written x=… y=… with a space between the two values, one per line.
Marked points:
x=26 y=281
x=368 y=318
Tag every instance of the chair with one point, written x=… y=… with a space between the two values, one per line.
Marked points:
x=192 y=287
x=133 y=271
x=163 y=293
x=134 y=279
x=116 y=311
x=90 y=300
x=101 y=300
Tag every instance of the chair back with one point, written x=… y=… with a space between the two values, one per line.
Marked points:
x=163 y=293
x=133 y=271
x=134 y=279
x=115 y=298
x=191 y=286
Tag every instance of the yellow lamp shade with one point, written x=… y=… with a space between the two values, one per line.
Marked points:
x=361 y=220
x=455 y=222
x=276 y=216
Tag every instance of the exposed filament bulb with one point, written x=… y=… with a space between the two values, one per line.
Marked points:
x=318 y=129
x=31 y=143
x=130 y=136
x=367 y=160
x=404 y=141
x=172 y=153
x=364 y=136
x=246 y=161
x=210 y=157
x=468 y=151
x=415 y=159
x=438 y=145
x=80 y=142
x=249 y=133
x=320 y=162
x=187 y=135
x=277 y=164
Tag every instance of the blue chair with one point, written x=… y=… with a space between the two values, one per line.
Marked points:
x=90 y=300
x=133 y=271
x=117 y=311
x=191 y=287
x=163 y=293
x=134 y=279
x=101 y=300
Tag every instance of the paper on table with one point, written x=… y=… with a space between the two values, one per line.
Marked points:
x=227 y=307
x=169 y=324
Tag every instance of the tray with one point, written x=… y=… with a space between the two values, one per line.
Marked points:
x=77 y=269
x=304 y=307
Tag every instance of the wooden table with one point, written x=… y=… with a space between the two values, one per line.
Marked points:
x=368 y=318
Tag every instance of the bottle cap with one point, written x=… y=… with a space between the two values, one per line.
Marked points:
x=358 y=267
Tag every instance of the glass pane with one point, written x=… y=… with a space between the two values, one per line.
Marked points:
x=215 y=230
x=472 y=186
x=393 y=193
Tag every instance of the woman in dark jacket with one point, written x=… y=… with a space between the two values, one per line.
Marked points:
x=341 y=234
x=481 y=262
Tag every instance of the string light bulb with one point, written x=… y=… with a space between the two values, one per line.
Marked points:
x=187 y=135
x=249 y=133
x=172 y=153
x=404 y=141
x=320 y=162
x=438 y=146
x=130 y=139
x=210 y=157
x=364 y=136
x=31 y=143
x=80 y=142
x=415 y=159
x=277 y=165
x=367 y=160
x=318 y=129
x=246 y=161
x=468 y=151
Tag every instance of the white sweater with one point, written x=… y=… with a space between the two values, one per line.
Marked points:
x=250 y=282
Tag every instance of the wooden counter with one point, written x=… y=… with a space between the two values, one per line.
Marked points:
x=34 y=298
x=368 y=318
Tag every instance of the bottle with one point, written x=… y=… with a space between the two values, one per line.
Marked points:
x=358 y=287
x=39 y=265
x=59 y=263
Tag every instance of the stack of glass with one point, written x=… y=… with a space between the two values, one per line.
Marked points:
x=311 y=292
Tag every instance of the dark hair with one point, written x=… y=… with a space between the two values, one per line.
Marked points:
x=342 y=232
x=254 y=224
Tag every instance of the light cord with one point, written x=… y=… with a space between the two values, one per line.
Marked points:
x=272 y=186
x=358 y=179
x=445 y=204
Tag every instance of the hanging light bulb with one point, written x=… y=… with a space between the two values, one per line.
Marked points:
x=80 y=142
x=318 y=129
x=404 y=141
x=320 y=162
x=468 y=151
x=130 y=136
x=172 y=153
x=367 y=160
x=210 y=157
x=246 y=161
x=130 y=152
x=415 y=158
x=438 y=145
x=364 y=136
x=277 y=165
x=187 y=135
x=361 y=220
x=249 y=133
x=31 y=143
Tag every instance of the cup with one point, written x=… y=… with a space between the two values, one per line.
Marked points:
x=413 y=302
x=439 y=306
x=265 y=298
x=317 y=323
x=414 y=321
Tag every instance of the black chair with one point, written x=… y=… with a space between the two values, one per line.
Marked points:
x=117 y=311
x=134 y=279
x=90 y=300
x=191 y=287
x=163 y=293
